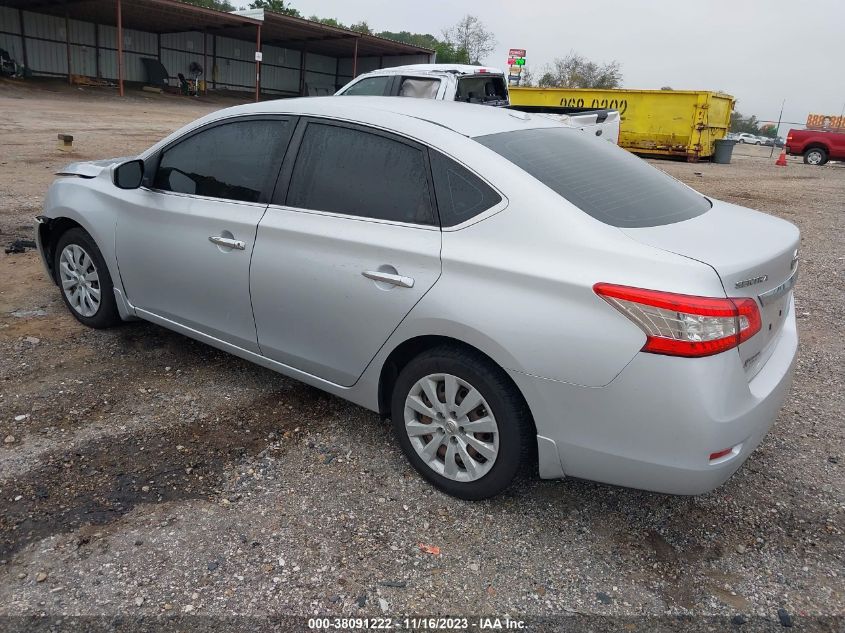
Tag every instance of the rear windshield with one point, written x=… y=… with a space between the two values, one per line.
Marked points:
x=481 y=89
x=600 y=178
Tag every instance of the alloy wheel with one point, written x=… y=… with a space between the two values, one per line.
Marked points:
x=451 y=427
x=80 y=280
x=814 y=157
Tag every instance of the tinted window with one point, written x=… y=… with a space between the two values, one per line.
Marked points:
x=350 y=171
x=603 y=180
x=461 y=195
x=233 y=161
x=374 y=86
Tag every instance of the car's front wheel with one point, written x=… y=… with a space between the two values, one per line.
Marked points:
x=461 y=422
x=815 y=156
x=84 y=279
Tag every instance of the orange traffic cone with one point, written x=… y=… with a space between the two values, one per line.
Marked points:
x=781 y=161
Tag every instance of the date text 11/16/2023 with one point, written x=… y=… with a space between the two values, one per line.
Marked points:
x=438 y=623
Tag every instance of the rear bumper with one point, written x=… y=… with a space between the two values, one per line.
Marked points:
x=655 y=426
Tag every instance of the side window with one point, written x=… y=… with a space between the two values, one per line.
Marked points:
x=350 y=171
x=481 y=89
x=418 y=87
x=461 y=195
x=372 y=87
x=234 y=161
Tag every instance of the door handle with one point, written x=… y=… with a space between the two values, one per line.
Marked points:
x=389 y=278
x=227 y=242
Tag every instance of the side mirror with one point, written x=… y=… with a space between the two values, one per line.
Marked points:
x=129 y=175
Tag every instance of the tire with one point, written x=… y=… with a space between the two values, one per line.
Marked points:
x=815 y=156
x=742 y=141
x=512 y=439
x=758 y=143
x=76 y=253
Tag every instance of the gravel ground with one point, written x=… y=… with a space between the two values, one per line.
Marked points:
x=143 y=473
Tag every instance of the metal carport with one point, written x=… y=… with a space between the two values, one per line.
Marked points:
x=107 y=39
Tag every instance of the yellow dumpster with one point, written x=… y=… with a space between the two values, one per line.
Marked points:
x=683 y=123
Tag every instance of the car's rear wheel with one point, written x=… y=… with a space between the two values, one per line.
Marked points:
x=815 y=156
x=84 y=279
x=461 y=422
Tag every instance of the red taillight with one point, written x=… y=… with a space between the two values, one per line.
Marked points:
x=684 y=325
x=721 y=453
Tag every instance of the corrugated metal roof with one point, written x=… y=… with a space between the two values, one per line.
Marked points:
x=172 y=16
x=293 y=32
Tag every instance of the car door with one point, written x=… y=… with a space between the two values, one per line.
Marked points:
x=349 y=245
x=184 y=240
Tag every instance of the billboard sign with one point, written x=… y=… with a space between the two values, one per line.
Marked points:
x=825 y=122
x=516 y=60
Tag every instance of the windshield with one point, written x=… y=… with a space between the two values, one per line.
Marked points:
x=481 y=89
x=603 y=180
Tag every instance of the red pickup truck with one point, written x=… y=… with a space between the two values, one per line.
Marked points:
x=816 y=146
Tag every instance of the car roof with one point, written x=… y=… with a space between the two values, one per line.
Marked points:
x=401 y=113
x=433 y=69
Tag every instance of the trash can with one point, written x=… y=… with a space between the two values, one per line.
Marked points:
x=723 y=150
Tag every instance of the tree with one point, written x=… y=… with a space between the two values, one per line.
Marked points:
x=527 y=77
x=446 y=53
x=576 y=71
x=769 y=130
x=220 y=5
x=469 y=35
x=327 y=21
x=750 y=125
x=362 y=27
x=276 y=6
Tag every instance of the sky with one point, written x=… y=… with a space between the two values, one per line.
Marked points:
x=759 y=51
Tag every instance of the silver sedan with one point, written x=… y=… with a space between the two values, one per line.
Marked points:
x=513 y=294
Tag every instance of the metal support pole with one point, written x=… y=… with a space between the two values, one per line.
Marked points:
x=777 y=129
x=67 y=45
x=97 y=50
x=336 y=74
x=23 y=39
x=258 y=66
x=214 y=62
x=120 y=49
x=355 y=60
x=204 y=61
x=302 y=54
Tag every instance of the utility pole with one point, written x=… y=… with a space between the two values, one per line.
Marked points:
x=777 y=129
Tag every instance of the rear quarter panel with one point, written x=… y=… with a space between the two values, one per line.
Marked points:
x=518 y=286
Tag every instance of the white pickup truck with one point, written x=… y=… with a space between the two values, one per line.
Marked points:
x=472 y=84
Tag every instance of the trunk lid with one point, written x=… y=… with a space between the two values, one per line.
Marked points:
x=754 y=254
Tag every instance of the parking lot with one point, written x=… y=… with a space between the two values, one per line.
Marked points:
x=144 y=473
